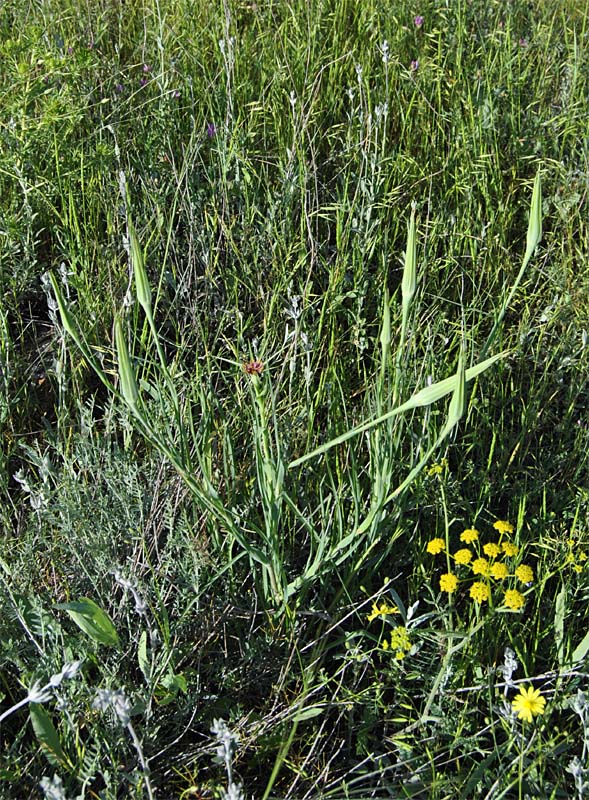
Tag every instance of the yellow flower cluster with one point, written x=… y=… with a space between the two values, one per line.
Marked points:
x=435 y=546
x=400 y=643
x=576 y=557
x=437 y=469
x=487 y=562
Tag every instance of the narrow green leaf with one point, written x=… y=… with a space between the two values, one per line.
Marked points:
x=142 y=286
x=535 y=221
x=309 y=713
x=91 y=619
x=385 y=333
x=458 y=402
x=142 y=658
x=126 y=372
x=409 y=282
x=47 y=735
x=559 y=615
x=67 y=319
x=580 y=652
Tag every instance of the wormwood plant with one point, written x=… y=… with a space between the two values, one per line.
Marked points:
x=181 y=442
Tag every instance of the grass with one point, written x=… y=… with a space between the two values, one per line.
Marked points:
x=277 y=328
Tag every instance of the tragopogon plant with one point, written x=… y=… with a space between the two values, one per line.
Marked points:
x=185 y=445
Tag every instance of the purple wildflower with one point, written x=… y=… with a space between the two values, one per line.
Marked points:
x=146 y=68
x=414 y=65
x=418 y=21
x=143 y=82
x=211 y=130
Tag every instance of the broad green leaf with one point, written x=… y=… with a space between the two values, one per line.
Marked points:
x=90 y=618
x=46 y=734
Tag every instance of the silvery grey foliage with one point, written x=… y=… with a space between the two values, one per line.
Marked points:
x=118 y=700
x=580 y=776
x=53 y=789
x=509 y=666
x=42 y=694
x=227 y=742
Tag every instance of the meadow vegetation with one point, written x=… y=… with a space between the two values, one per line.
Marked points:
x=294 y=399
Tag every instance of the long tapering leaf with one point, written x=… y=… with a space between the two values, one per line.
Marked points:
x=67 y=319
x=424 y=397
x=126 y=371
x=409 y=282
x=47 y=735
x=535 y=221
x=533 y=239
x=142 y=286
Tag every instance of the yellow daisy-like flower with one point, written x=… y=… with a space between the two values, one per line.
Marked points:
x=448 y=582
x=479 y=591
x=381 y=611
x=509 y=549
x=514 y=599
x=524 y=573
x=582 y=556
x=528 y=703
x=480 y=566
x=502 y=526
x=499 y=571
x=435 y=546
x=469 y=535
x=491 y=549
x=462 y=556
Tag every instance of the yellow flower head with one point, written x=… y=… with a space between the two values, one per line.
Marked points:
x=435 y=546
x=514 y=599
x=462 y=556
x=528 y=703
x=509 y=549
x=502 y=526
x=491 y=549
x=480 y=566
x=448 y=582
x=499 y=571
x=469 y=535
x=524 y=573
x=479 y=591
x=381 y=611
